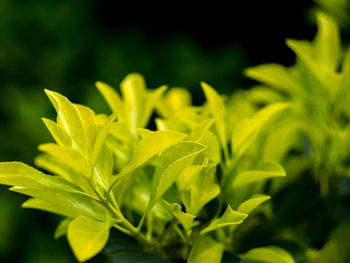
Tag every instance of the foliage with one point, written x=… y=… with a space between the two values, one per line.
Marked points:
x=156 y=186
x=162 y=180
x=339 y=9
x=317 y=127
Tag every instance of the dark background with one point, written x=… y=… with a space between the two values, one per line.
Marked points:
x=67 y=45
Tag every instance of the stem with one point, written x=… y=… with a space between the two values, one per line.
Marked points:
x=130 y=229
x=166 y=232
x=181 y=235
x=149 y=228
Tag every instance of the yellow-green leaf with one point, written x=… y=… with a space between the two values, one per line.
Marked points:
x=244 y=134
x=265 y=170
x=67 y=203
x=62 y=227
x=269 y=254
x=206 y=250
x=36 y=203
x=57 y=167
x=230 y=217
x=327 y=42
x=60 y=136
x=203 y=188
x=149 y=146
x=101 y=137
x=174 y=100
x=253 y=202
x=110 y=95
x=68 y=119
x=70 y=157
x=272 y=110
x=171 y=164
x=185 y=219
x=184 y=180
x=218 y=110
x=87 y=237
x=20 y=174
x=138 y=101
x=276 y=76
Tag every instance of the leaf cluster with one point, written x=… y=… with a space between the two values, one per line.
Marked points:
x=157 y=186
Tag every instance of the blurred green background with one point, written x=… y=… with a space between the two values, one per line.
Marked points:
x=66 y=46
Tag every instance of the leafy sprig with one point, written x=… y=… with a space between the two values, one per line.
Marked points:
x=111 y=171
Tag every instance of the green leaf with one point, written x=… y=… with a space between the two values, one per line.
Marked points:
x=218 y=110
x=198 y=133
x=276 y=76
x=60 y=136
x=244 y=134
x=267 y=169
x=272 y=110
x=88 y=122
x=68 y=119
x=185 y=219
x=103 y=169
x=70 y=157
x=138 y=101
x=174 y=100
x=171 y=164
x=62 y=228
x=87 y=237
x=202 y=189
x=184 y=179
x=110 y=95
x=20 y=174
x=57 y=167
x=230 y=217
x=36 y=203
x=69 y=204
x=268 y=255
x=148 y=147
x=327 y=42
x=205 y=250
x=253 y=202
x=101 y=137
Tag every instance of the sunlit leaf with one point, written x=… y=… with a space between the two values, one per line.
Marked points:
x=184 y=179
x=267 y=169
x=203 y=188
x=138 y=101
x=87 y=118
x=149 y=147
x=70 y=203
x=174 y=100
x=276 y=76
x=327 y=42
x=218 y=110
x=61 y=137
x=68 y=118
x=111 y=96
x=253 y=202
x=184 y=218
x=20 y=174
x=62 y=228
x=268 y=255
x=87 y=237
x=230 y=217
x=36 y=203
x=171 y=164
x=205 y=250
x=244 y=134
x=56 y=167
x=72 y=158
x=272 y=110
